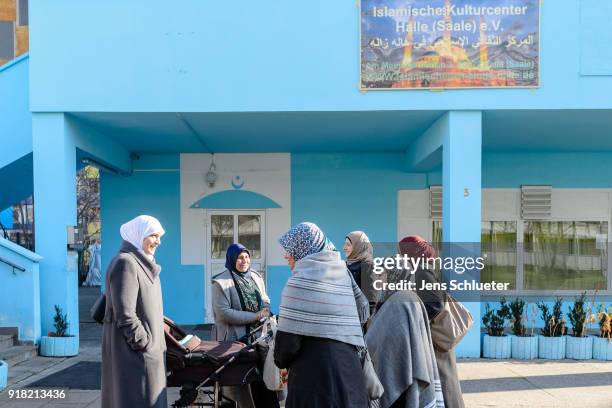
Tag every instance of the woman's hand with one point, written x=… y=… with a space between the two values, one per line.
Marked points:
x=263 y=313
x=284 y=374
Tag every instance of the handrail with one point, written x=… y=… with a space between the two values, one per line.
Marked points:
x=14 y=266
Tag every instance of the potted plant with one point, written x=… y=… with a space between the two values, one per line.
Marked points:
x=551 y=344
x=602 y=344
x=3 y=374
x=524 y=344
x=579 y=346
x=59 y=343
x=496 y=344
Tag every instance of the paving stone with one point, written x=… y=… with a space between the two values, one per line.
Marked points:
x=58 y=404
x=82 y=397
x=96 y=404
x=39 y=363
x=24 y=404
x=17 y=354
x=16 y=374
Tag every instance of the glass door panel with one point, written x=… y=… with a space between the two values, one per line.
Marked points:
x=249 y=233
x=222 y=234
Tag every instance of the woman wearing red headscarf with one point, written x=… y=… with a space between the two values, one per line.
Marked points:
x=415 y=246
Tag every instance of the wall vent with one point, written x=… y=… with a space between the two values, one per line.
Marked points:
x=536 y=202
x=435 y=202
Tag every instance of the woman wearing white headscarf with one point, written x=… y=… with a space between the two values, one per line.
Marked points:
x=133 y=344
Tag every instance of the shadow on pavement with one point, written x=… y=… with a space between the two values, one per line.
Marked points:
x=538 y=381
x=84 y=375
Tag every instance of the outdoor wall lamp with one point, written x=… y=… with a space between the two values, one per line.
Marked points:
x=211 y=175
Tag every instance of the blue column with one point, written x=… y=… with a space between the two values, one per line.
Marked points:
x=54 y=209
x=461 y=207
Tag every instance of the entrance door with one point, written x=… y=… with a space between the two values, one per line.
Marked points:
x=225 y=227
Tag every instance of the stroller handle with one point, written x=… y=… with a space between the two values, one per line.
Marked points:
x=200 y=357
x=246 y=337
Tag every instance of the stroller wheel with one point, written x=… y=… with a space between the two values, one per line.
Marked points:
x=188 y=394
x=192 y=397
x=227 y=404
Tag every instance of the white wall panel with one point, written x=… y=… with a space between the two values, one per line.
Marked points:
x=266 y=174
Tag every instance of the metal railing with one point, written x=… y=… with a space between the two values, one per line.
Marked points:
x=12 y=265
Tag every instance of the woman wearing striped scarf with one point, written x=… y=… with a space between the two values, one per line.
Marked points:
x=319 y=326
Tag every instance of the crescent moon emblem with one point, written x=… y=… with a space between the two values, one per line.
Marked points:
x=237 y=186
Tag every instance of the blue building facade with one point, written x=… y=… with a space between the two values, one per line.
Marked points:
x=155 y=93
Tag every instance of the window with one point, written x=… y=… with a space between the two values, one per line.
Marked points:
x=557 y=255
x=565 y=252
x=249 y=233
x=436 y=232
x=436 y=242
x=498 y=243
x=225 y=227
x=565 y=255
x=222 y=236
x=498 y=247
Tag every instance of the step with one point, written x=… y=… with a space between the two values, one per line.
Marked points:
x=6 y=341
x=18 y=354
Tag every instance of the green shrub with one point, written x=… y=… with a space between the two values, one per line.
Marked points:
x=494 y=321
x=554 y=325
x=517 y=310
x=578 y=316
x=60 y=321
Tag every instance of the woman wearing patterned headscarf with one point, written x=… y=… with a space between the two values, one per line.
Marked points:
x=319 y=326
x=358 y=251
x=239 y=302
x=133 y=343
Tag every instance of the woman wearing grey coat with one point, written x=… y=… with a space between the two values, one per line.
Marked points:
x=415 y=246
x=133 y=344
x=240 y=301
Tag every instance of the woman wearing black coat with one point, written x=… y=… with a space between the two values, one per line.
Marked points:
x=358 y=251
x=319 y=327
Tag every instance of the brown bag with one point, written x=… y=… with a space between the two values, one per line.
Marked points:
x=373 y=385
x=98 y=310
x=450 y=325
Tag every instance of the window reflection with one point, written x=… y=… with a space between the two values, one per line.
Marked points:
x=249 y=233
x=498 y=244
x=570 y=255
x=222 y=234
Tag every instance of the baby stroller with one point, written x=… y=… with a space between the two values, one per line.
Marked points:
x=193 y=363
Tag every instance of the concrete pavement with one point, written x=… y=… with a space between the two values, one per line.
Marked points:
x=538 y=383
x=485 y=383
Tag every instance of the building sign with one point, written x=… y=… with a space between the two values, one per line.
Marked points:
x=408 y=44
